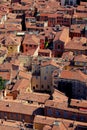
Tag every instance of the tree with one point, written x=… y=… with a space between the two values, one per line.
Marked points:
x=2 y=84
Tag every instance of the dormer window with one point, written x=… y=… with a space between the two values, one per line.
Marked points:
x=30 y=45
x=58 y=46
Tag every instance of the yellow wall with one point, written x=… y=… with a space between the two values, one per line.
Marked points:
x=12 y=49
x=47 y=72
x=2 y=58
x=35 y=81
x=38 y=126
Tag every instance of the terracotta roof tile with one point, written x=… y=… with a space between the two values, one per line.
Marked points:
x=51 y=62
x=35 y=97
x=77 y=44
x=17 y=107
x=73 y=75
x=78 y=103
x=62 y=106
x=80 y=58
x=59 y=96
x=24 y=74
x=21 y=85
x=31 y=39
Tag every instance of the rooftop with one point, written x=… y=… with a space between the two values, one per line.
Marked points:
x=50 y=121
x=35 y=97
x=77 y=43
x=21 y=85
x=31 y=39
x=73 y=75
x=18 y=107
x=63 y=106
x=78 y=103
x=80 y=58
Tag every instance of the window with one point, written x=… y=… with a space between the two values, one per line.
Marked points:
x=65 y=114
x=42 y=86
x=4 y=114
x=71 y=2
x=47 y=68
x=36 y=85
x=49 y=112
x=52 y=71
x=76 y=63
x=48 y=86
x=16 y=116
x=12 y=115
x=26 y=45
x=58 y=46
x=75 y=53
x=30 y=45
x=73 y=117
x=45 y=78
x=82 y=118
x=34 y=88
x=84 y=63
x=57 y=113
x=22 y=117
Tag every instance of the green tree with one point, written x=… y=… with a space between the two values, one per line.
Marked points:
x=2 y=84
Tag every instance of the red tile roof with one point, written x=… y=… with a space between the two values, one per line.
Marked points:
x=17 y=107
x=78 y=103
x=73 y=75
x=21 y=85
x=35 y=97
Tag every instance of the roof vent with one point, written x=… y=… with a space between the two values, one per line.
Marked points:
x=71 y=125
x=57 y=123
x=77 y=101
x=8 y=105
